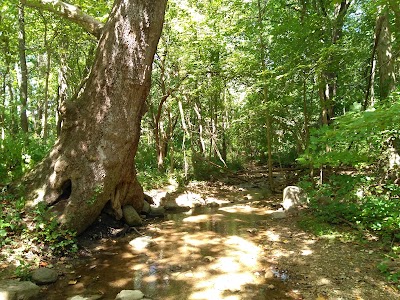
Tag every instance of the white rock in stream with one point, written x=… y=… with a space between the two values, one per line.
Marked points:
x=94 y=297
x=141 y=243
x=129 y=295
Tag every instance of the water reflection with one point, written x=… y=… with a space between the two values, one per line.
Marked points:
x=208 y=253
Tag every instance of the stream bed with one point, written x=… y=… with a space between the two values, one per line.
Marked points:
x=206 y=253
x=237 y=245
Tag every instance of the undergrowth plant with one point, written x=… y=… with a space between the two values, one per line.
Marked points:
x=44 y=229
x=362 y=149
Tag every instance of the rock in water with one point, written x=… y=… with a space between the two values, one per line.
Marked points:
x=94 y=297
x=293 y=196
x=18 y=290
x=129 y=295
x=141 y=243
x=44 y=276
x=146 y=208
x=131 y=216
x=157 y=211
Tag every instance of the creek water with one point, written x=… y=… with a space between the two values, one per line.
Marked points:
x=206 y=253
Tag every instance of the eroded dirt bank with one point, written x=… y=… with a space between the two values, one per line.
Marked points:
x=232 y=247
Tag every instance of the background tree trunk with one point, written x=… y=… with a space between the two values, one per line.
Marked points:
x=265 y=97
x=328 y=78
x=62 y=84
x=23 y=87
x=92 y=163
x=45 y=130
x=385 y=57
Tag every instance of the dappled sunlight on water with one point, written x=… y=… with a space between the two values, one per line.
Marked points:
x=238 y=246
x=208 y=253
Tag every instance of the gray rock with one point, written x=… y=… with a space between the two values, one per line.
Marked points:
x=18 y=290
x=157 y=211
x=293 y=196
x=129 y=295
x=44 y=276
x=131 y=216
x=278 y=215
x=146 y=208
x=173 y=206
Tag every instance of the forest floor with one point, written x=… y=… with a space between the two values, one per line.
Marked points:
x=233 y=244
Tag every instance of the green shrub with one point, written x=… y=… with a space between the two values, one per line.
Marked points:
x=18 y=154
x=11 y=212
x=369 y=197
x=50 y=234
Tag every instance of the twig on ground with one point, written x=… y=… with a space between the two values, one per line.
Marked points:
x=137 y=231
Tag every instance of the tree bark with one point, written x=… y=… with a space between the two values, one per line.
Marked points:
x=305 y=113
x=328 y=79
x=163 y=135
x=44 y=120
x=62 y=84
x=385 y=59
x=266 y=98
x=368 y=101
x=200 y=130
x=23 y=87
x=92 y=163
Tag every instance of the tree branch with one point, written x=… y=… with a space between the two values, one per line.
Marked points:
x=69 y=12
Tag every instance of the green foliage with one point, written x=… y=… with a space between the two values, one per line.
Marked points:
x=391 y=275
x=355 y=139
x=11 y=213
x=360 y=200
x=49 y=233
x=319 y=227
x=152 y=178
x=334 y=201
x=23 y=270
x=46 y=231
x=369 y=196
x=206 y=169
x=19 y=153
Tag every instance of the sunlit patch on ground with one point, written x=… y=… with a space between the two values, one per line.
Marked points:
x=247 y=209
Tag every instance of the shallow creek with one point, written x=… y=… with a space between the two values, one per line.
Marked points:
x=206 y=253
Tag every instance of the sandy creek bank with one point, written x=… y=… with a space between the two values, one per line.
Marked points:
x=237 y=249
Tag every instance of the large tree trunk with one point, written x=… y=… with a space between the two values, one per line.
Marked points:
x=92 y=163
